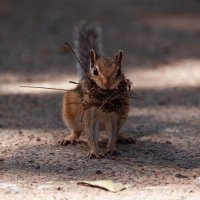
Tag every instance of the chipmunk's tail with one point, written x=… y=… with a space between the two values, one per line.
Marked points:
x=87 y=36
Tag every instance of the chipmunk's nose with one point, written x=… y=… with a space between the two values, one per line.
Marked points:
x=108 y=84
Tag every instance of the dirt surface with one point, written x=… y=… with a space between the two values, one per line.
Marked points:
x=161 y=43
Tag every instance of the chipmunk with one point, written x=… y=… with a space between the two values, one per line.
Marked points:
x=106 y=74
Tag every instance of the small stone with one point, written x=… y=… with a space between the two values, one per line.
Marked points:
x=1 y=159
x=168 y=142
x=38 y=139
x=37 y=167
x=181 y=176
x=98 y=171
x=197 y=181
x=31 y=161
x=34 y=181
x=69 y=168
x=59 y=188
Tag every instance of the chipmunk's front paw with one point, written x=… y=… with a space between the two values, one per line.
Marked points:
x=69 y=139
x=94 y=155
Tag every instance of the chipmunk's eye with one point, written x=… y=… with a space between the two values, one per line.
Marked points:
x=119 y=73
x=95 y=71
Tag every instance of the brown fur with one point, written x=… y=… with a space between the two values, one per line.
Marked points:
x=104 y=71
x=107 y=69
x=71 y=113
x=79 y=120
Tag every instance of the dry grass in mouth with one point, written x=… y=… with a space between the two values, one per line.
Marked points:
x=111 y=100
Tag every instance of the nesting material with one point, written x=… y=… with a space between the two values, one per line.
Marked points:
x=111 y=100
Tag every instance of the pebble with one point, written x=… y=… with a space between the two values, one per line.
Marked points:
x=31 y=161
x=1 y=159
x=38 y=139
x=59 y=188
x=181 y=176
x=37 y=167
x=98 y=172
x=197 y=181
x=69 y=168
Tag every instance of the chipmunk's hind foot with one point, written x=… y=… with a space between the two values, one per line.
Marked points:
x=95 y=156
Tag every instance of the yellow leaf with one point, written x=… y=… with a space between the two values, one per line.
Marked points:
x=105 y=184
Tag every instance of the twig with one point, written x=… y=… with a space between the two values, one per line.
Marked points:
x=73 y=82
x=81 y=64
x=48 y=88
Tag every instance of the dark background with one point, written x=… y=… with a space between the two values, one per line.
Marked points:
x=150 y=32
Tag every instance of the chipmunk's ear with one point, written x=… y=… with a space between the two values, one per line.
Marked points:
x=119 y=57
x=93 y=57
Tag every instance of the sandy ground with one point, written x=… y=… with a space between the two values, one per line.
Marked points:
x=161 y=43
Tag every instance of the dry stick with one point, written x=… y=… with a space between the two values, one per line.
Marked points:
x=48 y=88
x=81 y=64
x=73 y=82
